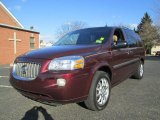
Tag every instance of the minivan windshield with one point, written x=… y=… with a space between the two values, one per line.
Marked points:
x=85 y=36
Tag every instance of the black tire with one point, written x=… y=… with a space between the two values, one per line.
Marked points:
x=138 y=74
x=92 y=102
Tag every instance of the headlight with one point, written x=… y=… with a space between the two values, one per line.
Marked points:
x=67 y=63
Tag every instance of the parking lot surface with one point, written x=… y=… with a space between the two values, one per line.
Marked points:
x=130 y=100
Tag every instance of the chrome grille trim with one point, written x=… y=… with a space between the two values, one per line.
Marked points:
x=26 y=71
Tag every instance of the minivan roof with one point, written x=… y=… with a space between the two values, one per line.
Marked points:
x=107 y=27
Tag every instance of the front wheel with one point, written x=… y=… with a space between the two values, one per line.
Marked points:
x=99 y=92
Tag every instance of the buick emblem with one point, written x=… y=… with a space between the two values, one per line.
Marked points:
x=24 y=69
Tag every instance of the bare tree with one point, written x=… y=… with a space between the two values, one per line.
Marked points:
x=149 y=35
x=148 y=32
x=69 y=27
x=156 y=10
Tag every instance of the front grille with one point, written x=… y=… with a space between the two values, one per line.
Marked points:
x=26 y=70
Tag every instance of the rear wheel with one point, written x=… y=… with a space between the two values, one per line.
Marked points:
x=140 y=71
x=99 y=92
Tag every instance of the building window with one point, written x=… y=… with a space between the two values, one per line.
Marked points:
x=32 y=42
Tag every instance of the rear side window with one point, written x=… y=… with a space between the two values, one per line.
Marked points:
x=133 y=38
x=138 y=40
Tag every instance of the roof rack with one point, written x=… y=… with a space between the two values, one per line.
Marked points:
x=124 y=27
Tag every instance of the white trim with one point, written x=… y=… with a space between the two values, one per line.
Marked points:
x=5 y=86
x=4 y=76
x=11 y=14
x=14 y=27
x=5 y=67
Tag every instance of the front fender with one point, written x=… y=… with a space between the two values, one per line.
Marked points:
x=95 y=68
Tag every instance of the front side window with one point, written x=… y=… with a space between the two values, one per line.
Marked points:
x=85 y=36
x=118 y=36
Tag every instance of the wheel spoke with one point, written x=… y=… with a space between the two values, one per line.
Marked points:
x=98 y=88
x=104 y=82
x=98 y=94
x=99 y=99
x=106 y=93
x=104 y=99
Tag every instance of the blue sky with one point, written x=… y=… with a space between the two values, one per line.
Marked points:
x=48 y=15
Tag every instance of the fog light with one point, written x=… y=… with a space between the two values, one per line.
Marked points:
x=61 y=82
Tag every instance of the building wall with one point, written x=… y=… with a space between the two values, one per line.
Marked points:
x=155 y=49
x=5 y=18
x=7 y=55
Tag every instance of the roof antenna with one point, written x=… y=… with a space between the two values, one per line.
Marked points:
x=106 y=25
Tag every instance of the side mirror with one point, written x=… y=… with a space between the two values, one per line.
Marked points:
x=120 y=44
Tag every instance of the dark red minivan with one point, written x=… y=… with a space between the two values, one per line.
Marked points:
x=82 y=66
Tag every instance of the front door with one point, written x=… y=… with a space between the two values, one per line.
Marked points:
x=120 y=58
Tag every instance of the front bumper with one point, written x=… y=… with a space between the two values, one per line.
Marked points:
x=44 y=87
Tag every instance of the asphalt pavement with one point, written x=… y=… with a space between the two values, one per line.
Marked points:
x=130 y=100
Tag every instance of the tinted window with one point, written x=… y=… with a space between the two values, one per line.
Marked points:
x=133 y=38
x=130 y=38
x=138 y=39
x=85 y=36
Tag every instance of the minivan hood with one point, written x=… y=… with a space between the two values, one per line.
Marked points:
x=59 y=51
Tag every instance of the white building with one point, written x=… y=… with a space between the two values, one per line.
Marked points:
x=45 y=44
x=155 y=48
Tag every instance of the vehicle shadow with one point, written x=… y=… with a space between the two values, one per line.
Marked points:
x=81 y=104
x=153 y=58
x=32 y=114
